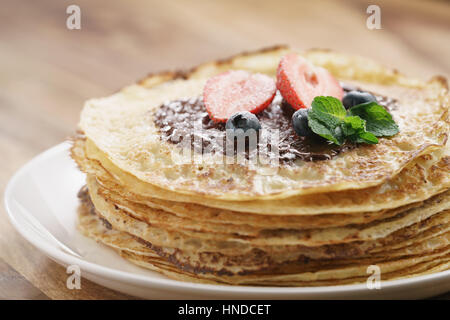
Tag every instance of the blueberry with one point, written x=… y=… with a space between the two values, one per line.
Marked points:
x=300 y=123
x=354 y=98
x=243 y=120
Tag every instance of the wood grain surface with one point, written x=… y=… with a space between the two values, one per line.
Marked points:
x=47 y=71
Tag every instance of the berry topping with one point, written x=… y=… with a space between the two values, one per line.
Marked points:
x=353 y=98
x=234 y=91
x=300 y=123
x=243 y=120
x=299 y=81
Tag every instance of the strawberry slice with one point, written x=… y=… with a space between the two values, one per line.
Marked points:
x=300 y=82
x=237 y=90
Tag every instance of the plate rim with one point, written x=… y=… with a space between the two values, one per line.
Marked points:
x=62 y=257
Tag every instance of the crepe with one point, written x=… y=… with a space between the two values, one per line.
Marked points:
x=122 y=127
x=423 y=178
x=408 y=261
x=301 y=223
x=140 y=224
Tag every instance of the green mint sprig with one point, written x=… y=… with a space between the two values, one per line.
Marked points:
x=362 y=123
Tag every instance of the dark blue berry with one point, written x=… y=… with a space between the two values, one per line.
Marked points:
x=354 y=98
x=300 y=123
x=243 y=120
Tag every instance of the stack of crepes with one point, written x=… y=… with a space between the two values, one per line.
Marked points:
x=311 y=223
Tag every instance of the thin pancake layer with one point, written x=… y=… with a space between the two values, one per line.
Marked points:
x=241 y=223
x=426 y=176
x=409 y=265
x=267 y=240
x=122 y=127
x=143 y=225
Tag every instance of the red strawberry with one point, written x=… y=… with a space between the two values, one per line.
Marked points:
x=233 y=91
x=300 y=82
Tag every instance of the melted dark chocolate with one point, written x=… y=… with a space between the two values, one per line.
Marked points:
x=187 y=120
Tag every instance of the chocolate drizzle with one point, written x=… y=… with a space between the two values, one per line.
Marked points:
x=186 y=120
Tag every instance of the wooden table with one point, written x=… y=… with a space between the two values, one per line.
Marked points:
x=47 y=71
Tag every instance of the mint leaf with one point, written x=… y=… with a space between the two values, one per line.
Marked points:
x=364 y=137
x=367 y=137
x=329 y=110
x=353 y=125
x=325 y=118
x=361 y=124
x=378 y=121
x=332 y=133
x=354 y=129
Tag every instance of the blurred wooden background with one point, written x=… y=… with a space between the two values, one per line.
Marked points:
x=47 y=71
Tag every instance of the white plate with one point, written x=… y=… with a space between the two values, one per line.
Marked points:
x=41 y=201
